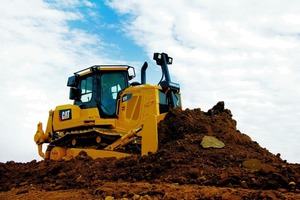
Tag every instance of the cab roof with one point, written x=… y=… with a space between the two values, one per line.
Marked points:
x=102 y=68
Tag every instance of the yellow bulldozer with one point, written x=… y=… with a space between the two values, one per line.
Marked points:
x=111 y=116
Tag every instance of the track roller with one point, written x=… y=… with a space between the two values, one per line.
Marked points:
x=57 y=153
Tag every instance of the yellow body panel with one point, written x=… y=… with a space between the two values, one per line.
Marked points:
x=79 y=118
x=135 y=104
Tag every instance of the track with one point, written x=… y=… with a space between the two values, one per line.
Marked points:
x=89 y=140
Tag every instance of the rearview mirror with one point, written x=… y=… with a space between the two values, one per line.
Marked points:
x=74 y=93
x=72 y=81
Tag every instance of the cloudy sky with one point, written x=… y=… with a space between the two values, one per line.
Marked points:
x=245 y=53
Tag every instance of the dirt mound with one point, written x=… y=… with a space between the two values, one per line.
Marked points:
x=181 y=159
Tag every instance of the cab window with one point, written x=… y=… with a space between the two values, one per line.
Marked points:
x=86 y=86
x=111 y=85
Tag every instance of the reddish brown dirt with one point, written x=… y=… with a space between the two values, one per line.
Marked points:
x=181 y=169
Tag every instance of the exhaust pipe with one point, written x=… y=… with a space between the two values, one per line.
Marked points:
x=143 y=73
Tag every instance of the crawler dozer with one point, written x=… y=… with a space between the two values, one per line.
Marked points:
x=112 y=115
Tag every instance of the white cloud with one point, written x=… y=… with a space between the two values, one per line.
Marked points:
x=38 y=52
x=242 y=52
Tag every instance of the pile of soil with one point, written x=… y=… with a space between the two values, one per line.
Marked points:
x=181 y=169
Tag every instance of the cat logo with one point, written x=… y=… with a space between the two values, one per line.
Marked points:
x=65 y=115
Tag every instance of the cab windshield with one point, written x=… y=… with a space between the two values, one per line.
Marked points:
x=111 y=85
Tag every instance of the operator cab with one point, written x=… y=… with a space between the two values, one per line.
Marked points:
x=99 y=86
